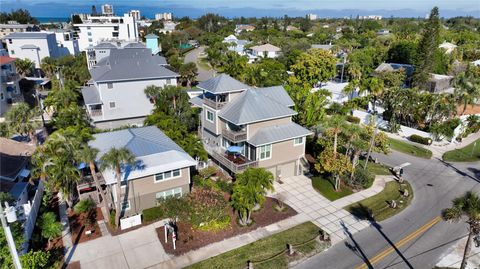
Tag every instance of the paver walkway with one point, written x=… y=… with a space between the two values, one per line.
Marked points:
x=298 y=193
x=66 y=235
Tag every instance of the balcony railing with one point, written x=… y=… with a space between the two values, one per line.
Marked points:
x=96 y=112
x=88 y=182
x=232 y=165
x=214 y=104
x=234 y=136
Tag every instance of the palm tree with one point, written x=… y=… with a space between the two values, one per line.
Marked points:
x=375 y=88
x=467 y=88
x=243 y=200
x=20 y=119
x=466 y=206
x=24 y=66
x=335 y=124
x=114 y=159
x=152 y=92
x=188 y=72
x=51 y=228
x=259 y=181
x=48 y=66
x=88 y=155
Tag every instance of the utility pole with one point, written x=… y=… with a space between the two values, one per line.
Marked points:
x=10 y=241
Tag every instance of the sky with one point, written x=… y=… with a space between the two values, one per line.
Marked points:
x=231 y=8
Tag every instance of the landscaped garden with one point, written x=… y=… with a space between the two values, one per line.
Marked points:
x=410 y=148
x=469 y=153
x=83 y=221
x=263 y=252
x=217 y=209
x=380 y=206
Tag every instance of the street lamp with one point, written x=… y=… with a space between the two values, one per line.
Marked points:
x=11 y=217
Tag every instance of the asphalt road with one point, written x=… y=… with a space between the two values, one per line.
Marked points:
x=417 y=237
x=192 y=57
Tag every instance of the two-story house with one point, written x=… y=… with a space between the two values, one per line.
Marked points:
x=162 y=168
x=32 y=45
x=115 y=95
x=245 y=127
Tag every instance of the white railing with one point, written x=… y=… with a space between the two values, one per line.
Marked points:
x=31 y=212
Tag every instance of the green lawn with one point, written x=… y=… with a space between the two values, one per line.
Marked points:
x=465 y=154
x=410 y=148
x=378 y=169
x=378 y=203
x=266 y=248
x=326 y=187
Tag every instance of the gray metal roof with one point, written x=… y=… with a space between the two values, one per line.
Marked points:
x=197 y=100
x=253 y=106
x=134 y=45
x=90 y=95
x=105 y=45
x=222 y=83
x=278 y=133
x=29 y=46
x=278 y=94
x=130 y=64
x=323 y=47
x=28 y=35
x=139 y=141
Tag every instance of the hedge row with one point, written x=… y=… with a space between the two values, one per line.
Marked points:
x=420 y=139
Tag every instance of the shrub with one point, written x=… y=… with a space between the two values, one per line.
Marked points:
x=154 y=213
x=206 y=206
x=84 y=206
x=224 y=186
x=217 y=225
x=353 y=119
x=207 y=172
x=420 y=139
x=363 y=178
x=111 y=219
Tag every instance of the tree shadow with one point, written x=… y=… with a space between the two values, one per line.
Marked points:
x=475 y=171
x=365 y=213
x=476 y=176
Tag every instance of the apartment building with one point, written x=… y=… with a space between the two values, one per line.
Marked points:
x=115 y=95
x=32 y=45
x=162 y=168
x=9 y=88
x=163 y=16
x=15 y=27
x=97 y=29
x=245 y=127
x=66 y=41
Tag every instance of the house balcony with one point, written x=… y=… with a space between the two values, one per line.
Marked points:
x=214 y=104
x=234 y=163
x=87 y=182
x=96 y=112
x=235 y=136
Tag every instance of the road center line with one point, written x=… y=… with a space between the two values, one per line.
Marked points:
x=400 y=243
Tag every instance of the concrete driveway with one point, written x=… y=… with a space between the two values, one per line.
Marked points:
x=193 y=57
x=136 y=249
x=298 y=193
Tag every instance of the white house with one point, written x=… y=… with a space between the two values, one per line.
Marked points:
x=115 y=96
x=168 y=27
x=265 y=51
x=235 y=44
x=336 y=90
x=32 y=45
x=97 y=29
x=66 y=42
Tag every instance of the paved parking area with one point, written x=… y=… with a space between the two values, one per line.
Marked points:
x=298 y=193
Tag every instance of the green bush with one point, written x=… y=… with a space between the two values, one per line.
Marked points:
x=217 y=225
x=420 y=139
x=84 y=206
x=154 y=213
x=353 y=119
x=363 y=178
x=111 y=219
x=224 y=186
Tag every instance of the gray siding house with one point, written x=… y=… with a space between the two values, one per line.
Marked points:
x=115 y=95
x=162 y=169
x=251 y=127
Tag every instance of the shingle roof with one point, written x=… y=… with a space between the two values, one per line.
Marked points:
x=253 y=106
x=27 y=35
x=278 y=94
x=154 y=151
x=265 y=47
x=222 y=83
x=130 y=64
x=278 y=133
x=91 y=95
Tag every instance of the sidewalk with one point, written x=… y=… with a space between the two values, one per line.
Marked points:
x=454 y=255
x=66 y=235
x=298 y=193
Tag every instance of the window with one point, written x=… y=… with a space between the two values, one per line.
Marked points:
x=112 y=104
x=298 y=141
x=109 y=85
x=115 y=28
x=167 y=175
x=89 y=33
x=209 y=115
x=114 y=34
x=1 y=96
x=123 y=183
x=169 y=81
x=88 y=27
x=10 y=41
x=126 y=205
x=90 y=40
x=13 y=52
x=176 y=192
x=265 y=152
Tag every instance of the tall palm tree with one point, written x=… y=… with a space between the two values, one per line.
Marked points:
x=24 y=66
x=243 y=200
x=152 y=92
x=48 y=66
x=466 y=206
x=375 y=87
x=88 y=155
x=20 y=119
x=335 y=124
x=467 y=88
x=114 y=159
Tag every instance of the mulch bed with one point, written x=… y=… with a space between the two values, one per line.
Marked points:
x=78 y=228
x=189 y=239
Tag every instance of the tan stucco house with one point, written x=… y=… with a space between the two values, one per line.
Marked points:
x=162 y=168
x=242 y=127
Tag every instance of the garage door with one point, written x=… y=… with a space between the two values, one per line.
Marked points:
x=287 y=170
